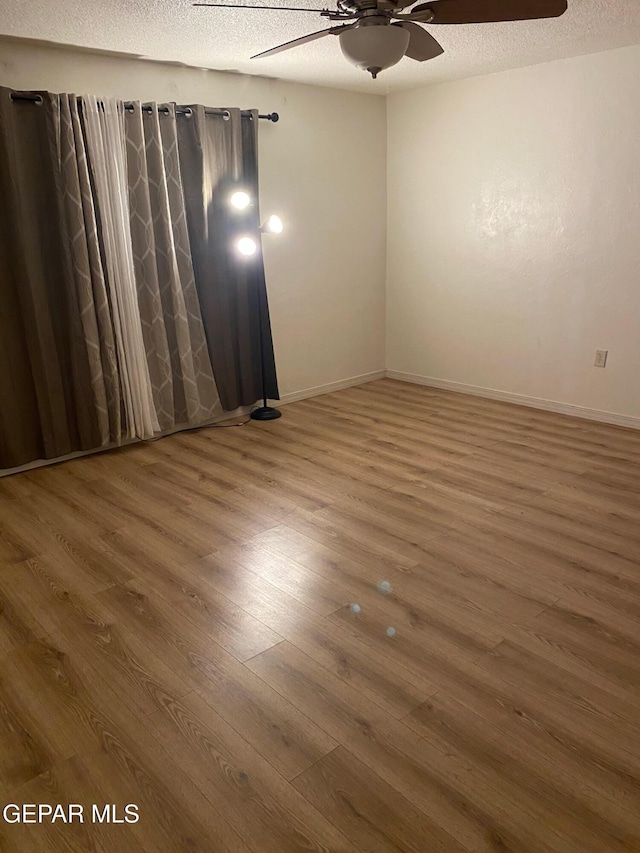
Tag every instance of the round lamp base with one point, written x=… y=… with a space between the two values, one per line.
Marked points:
x=265 y=413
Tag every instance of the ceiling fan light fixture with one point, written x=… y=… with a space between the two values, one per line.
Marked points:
x=374 y=48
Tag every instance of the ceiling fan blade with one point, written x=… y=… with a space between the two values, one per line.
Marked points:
x=302 y=40
x=422 y=46
x=490 y=11
x=246 y=6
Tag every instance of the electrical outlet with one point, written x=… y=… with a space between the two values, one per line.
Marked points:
x=601 y=358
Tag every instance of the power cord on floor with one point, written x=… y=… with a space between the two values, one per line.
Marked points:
x=198 y=428
x=224 y=426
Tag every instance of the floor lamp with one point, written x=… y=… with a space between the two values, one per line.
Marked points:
x=248 y=246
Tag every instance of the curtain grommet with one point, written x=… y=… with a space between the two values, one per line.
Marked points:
x=226 y=115
x=188 y=112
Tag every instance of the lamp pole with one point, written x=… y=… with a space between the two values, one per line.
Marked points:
x=247 y=246
x=265 y=412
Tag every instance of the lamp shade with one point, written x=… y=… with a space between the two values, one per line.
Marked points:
x=247 y=246
x=240 y=199
x=274 y=224
x=374 y=48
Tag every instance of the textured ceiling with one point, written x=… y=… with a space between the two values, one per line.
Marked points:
x=223 y=39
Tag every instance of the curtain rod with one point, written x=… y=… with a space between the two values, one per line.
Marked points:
x=35 y=98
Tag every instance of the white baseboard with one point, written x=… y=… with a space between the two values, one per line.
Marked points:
x=519 y=399
x=331 y=386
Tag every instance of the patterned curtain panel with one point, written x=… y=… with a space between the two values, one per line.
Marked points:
x=218 y=153
x=184 y=390
x=104 y=129
x=75 y=195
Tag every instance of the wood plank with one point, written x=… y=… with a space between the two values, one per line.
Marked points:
x=579 y=818
x=392 y=687
x=290 y=741
x=70 y=706
x=320 y=594
x=216 y=615
x=440 y=785
x=371 y=813
x=357 y=538
x=587 y=638
x=567 y=562
x=80 y=624
x=271 y=816
x=605 y=723
x=68 y=782
x=529 y=732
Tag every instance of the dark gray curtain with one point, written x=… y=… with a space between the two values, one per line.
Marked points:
x=218 y=154
x=47 y=401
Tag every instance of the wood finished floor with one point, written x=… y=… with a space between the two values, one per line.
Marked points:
x=176 y=632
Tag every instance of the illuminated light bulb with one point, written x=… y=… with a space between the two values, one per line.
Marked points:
x=240 y=200
x=247 y=246
x=274 y=224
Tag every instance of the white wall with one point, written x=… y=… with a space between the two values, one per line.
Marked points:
x=514 y=231
x=326 y=288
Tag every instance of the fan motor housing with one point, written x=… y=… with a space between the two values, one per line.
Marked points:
x=352 y=7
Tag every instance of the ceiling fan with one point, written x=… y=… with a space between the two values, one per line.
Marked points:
x=379 y=33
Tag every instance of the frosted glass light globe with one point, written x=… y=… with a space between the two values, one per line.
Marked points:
x=374 y=46
x=240 y=200
x=247 y=246
x=274 y=224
